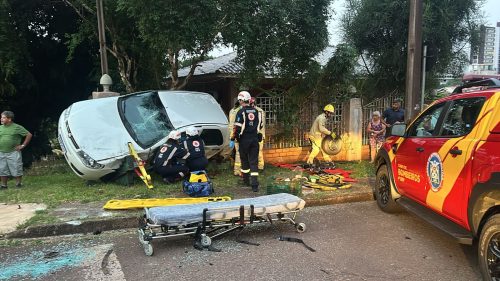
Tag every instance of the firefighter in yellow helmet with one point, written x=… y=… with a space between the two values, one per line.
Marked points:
x=318 y=132
x=232 y=117
x=262 y=114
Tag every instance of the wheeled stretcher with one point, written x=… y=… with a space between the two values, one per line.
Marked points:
x=206 y=221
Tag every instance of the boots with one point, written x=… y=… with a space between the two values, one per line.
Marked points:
x=255 y=183
x=246 y=179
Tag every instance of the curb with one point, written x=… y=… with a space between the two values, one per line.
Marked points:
x=93 y=226
x=98 y=226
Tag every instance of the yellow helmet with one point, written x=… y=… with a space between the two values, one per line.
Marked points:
x=329 y=108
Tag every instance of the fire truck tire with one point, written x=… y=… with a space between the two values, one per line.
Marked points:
x=489 y=249
x=383 y=191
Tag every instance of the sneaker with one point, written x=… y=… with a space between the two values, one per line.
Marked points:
x=19 y=185
x=3 y=187
x=255 y=188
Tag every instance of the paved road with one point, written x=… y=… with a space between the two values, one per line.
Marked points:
x=352 y=241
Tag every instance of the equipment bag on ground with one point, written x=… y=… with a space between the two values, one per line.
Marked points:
x=198 y=185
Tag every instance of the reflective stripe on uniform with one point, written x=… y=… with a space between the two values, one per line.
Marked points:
x=254 y=173
x=170 y=156
x=245 y=171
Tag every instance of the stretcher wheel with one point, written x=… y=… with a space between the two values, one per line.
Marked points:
x=205 y=240
x=148 y=248
x=140 y=233
x=301 y=227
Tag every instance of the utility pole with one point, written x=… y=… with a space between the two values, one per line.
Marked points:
x=102 y=37
x=105 y=80
x=414 y=61
x=424 y=63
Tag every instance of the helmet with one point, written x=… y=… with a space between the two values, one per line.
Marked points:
x=175 y=135
x=244 y=96
x=191 y=131
x=329 y=108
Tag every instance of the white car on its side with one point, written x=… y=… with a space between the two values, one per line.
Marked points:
x=94 y=134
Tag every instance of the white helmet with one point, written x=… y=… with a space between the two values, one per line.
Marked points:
x=175 y=135
x=244 y=96
x=191 y=131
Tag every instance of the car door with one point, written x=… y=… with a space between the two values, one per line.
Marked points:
x=411 y=154
x=447 y=156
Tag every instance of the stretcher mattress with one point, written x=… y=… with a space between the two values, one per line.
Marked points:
x=193 y=213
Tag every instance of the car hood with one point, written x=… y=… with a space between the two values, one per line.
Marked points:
x=190 y=108
x=92 y=124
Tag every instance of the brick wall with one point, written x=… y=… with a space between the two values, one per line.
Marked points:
x=299 y=154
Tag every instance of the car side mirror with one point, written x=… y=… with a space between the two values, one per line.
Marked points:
x=398 y=129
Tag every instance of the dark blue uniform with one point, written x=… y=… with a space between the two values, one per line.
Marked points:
x=392 y=116
x=168 y=161
x=247 y=130
x=196 y=159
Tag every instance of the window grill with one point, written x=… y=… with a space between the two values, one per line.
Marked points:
x=308 y=113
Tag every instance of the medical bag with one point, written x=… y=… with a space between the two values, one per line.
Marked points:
x=198 y=185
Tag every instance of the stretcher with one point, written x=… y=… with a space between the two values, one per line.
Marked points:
x=207 y=221
x=124 y=204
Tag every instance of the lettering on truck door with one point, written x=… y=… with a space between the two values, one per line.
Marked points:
x=411 y=156
x=450 y=158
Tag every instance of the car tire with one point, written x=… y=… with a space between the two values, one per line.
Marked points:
x=489 y=249
x=383 y=192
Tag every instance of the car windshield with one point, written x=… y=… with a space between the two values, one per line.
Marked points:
x=145 y=118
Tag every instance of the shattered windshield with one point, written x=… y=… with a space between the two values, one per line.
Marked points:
x=145 y=118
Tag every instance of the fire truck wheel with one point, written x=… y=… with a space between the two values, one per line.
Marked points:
x=489 y=249
x=383 y=192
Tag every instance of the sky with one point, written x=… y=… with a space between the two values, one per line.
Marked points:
x=490 y=10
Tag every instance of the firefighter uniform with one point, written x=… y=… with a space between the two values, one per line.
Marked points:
x=168 y=161
x=237 y=160
x=247 y=128
x=317 y=133
x=263 y=132
x=196 y=159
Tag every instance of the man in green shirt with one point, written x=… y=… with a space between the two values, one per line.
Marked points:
x=13 y=138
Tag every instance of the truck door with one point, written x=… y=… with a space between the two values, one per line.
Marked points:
x=410 y=154
x=448 y=156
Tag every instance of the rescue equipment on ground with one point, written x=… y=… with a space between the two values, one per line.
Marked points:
x=278 y=184
x=211 y=220
x=156 y=202
x=326 y=182
x=198 y=184
x=139 y=167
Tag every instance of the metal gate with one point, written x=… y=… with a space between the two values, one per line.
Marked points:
x=273 y=105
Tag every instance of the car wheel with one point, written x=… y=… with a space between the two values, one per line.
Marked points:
x=383 y=193
x=489 y=249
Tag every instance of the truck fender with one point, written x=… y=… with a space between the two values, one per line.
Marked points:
x=382 y=158
x=483 y=202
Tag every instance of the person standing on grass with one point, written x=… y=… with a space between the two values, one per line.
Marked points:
x=13 y=138
x=377 y=134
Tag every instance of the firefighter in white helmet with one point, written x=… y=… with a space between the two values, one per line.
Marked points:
x=246 y=131
x=167 y=162
x=318 y=132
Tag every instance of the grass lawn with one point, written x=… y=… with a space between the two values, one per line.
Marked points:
x=53 y=183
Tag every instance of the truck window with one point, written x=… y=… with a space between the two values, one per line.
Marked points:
x=461 y=116
x=426 y=123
